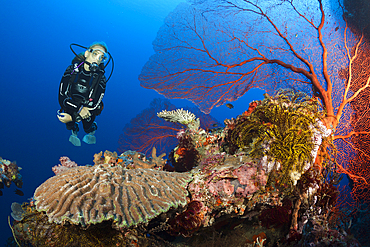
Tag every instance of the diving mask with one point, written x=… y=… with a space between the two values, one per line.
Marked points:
x=99 y=55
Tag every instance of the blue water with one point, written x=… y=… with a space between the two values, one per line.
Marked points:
x=35 y=38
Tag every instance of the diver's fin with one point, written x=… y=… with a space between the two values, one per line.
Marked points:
x=90 y=138
x=74 y=139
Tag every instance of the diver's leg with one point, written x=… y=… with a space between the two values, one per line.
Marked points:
x=73 y=126
x=89 y=127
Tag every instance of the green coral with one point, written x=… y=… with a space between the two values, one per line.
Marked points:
x=281 y=128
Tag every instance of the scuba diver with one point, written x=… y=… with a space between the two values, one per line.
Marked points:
x=82 y=89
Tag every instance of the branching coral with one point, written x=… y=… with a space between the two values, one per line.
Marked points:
x=140 y=161
x=180 y=116
x=109 y=158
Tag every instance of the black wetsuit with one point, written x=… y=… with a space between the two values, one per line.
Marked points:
x=78 y=91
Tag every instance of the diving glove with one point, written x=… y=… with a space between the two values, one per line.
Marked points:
x=74 y=139
x=90 y=138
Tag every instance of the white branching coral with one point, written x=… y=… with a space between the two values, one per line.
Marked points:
x=177 y=116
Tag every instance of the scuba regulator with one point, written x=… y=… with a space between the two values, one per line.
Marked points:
x=94 y=67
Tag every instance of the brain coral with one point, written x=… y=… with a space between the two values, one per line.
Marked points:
x=91 y=194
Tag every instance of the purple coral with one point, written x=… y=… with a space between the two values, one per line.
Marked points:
x=242 y=181
x=222 y=186
x=251 y=179
x=224 y=183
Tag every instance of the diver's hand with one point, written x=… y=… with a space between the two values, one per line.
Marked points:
x=64 y=117
x=85 y=112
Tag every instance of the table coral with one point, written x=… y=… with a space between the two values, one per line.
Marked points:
x=91 y=194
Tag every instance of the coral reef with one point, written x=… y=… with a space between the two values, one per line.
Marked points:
x=263 y=163
x=9 y=172
x=266 y=179
x=91 y=194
